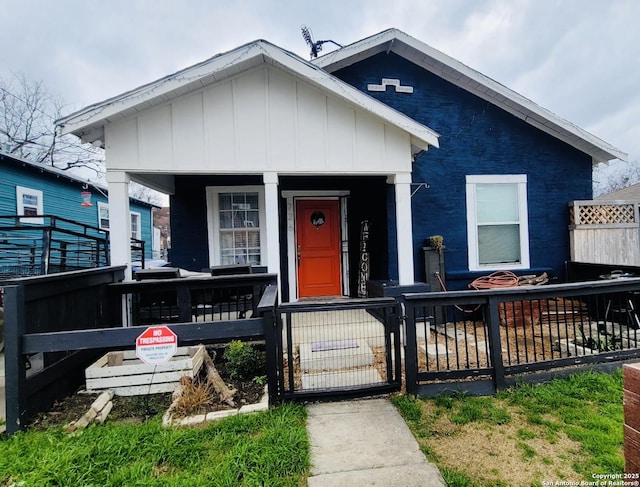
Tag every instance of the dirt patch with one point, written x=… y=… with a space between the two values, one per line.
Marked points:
x=516 y=453
x=128 y=409
x=464 y=344
x=136 y=409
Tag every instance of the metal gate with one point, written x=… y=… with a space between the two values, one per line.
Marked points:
x=338 y=348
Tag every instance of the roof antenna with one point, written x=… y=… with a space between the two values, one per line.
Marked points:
x=316 y=46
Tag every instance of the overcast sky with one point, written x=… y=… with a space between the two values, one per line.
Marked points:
x=577 y=58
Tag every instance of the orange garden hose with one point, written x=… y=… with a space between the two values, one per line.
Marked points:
x=444 y=288
x=496 y=279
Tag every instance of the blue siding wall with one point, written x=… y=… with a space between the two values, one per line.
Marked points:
x=477 y=138
x=189 y=244
x=61 y=197
x=188 y=215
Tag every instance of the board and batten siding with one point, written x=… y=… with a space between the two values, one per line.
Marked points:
x=262 y=120
x=605 y=232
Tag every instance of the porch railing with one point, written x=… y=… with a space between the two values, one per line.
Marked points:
x=180 y=300
x=44 y=244
x=485 y=340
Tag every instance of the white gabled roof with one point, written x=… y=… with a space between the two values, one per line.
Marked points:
x=455 y=72
x=89 y=122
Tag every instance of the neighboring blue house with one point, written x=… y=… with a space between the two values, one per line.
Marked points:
x=28 y=188
x=337 y=170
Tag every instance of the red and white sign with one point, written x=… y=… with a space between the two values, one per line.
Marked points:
x=156 y=345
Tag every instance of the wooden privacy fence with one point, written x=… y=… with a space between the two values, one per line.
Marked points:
x=67 y=318
x=604 y=232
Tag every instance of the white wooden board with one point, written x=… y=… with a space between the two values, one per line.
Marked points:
x=133 y=377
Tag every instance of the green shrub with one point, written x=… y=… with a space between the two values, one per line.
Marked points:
x=243 y=361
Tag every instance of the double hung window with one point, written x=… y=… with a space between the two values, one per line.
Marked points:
x=29 y=203
x=497 y=222
x=103 y=216
x=136 y=220
x=135 y=225
x=236 y=215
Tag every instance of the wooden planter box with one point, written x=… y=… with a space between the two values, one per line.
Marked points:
x=126 y=375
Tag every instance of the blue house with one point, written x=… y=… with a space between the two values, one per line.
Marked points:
x=334 y=173
x=39 y=203
x=506 y=168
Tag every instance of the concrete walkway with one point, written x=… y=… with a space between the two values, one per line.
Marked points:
x=364 y=443
x=355 y=443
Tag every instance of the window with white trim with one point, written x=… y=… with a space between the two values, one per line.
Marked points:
x=136 y=218
x=29 y=202
x=103 y=216
x=236 y=219
x=103 y=220
x=497 y=222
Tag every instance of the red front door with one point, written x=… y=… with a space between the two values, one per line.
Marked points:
x=318 y=247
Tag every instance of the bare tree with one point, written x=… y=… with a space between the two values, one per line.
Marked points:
x=614 y=176
x=27 y=128
x=144 y=193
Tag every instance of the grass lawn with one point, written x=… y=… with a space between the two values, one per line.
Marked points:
x=565 y=430
x=268 y=448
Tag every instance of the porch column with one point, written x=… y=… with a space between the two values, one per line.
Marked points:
x=119 y=220
x=272 y=223
x=404 y=225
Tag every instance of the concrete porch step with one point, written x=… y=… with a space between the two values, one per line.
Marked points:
x=344 y=354
x=337 y=379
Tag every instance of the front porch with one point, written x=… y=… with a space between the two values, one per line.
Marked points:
x=228 y=220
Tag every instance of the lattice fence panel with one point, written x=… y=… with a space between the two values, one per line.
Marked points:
x=602 y=214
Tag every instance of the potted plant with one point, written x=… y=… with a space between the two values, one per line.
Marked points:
x=436 y=242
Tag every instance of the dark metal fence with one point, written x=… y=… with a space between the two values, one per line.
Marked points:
x=486 y=340
x=338 y=349
x=45 y=244
x=65 y=322
x=479 y=342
